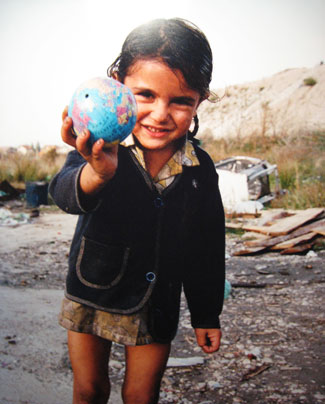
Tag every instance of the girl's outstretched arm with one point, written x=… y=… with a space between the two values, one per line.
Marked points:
x=208 y=339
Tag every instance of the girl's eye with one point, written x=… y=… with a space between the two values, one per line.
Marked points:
x=187 y=101
x=145 y=94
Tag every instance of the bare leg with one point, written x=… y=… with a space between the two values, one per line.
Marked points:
x=145 y=366
x=89 y=357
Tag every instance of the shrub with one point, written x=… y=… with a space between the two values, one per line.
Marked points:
x=17 y=168
x=309 y=81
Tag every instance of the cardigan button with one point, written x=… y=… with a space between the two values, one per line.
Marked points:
x=150 y=276
x=158 y=202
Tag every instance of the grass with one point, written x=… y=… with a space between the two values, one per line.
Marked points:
x=300 y=161
x=18 y=169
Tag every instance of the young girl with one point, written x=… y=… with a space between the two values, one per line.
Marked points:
x=151 y=221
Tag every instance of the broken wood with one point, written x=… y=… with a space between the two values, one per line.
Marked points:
x=289 y=234
x=248 y=285
x=294 y=241
x=248 y=251
x=288 y=224
x=297 y=249
x=235 y=226
x=254 y=372
x=320 y=229
x=269 y=242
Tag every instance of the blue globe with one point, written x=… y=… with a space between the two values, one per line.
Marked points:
x=104 y=106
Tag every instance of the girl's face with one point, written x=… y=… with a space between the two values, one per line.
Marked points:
x=166 y=105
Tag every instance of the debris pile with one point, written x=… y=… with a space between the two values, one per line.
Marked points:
x=287 y=232
x=8 y=192
x=8 y=218
x=244 y=183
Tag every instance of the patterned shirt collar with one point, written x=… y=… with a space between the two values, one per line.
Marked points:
x=185 y=156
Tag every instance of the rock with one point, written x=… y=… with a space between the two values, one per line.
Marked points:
x=116 y=364
x=201 y=386
x=214 y=385
x=184 y=362
x=311 y=255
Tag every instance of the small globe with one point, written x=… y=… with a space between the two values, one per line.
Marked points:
x=104 y=106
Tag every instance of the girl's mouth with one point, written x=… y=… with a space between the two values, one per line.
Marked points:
x=157 y=132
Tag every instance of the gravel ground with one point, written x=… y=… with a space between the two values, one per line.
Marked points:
x=273 y=327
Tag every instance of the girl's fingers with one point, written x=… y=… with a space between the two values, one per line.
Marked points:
x=100 y=146
x=97 y=148
x=66 y=132
x=208 y=339
x=82 y=144
x=65 y=113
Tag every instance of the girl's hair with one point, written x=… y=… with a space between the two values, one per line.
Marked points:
x=178 y=43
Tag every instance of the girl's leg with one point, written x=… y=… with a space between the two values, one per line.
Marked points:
x=89 y=356
x=145 y=366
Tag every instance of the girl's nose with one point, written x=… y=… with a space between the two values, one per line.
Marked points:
x=160 y=111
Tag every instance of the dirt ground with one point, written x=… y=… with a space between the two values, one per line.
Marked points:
x=273 y=324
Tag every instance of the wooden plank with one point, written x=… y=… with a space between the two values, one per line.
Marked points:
x=294 y=241
x=257 y=229
x=269 y=242
x=291 y=223
x=249 y=251
x=297 y=249
x=288 y=224
x=320 y=229
x=230 y=225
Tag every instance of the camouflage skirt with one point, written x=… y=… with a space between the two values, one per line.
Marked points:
x=122 y=329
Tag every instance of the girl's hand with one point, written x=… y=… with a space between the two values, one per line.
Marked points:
x=102 y=163
x=208 y=339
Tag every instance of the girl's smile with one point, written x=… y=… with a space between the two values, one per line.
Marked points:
x=166 y=105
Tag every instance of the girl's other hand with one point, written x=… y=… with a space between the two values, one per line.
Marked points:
x=208 y=339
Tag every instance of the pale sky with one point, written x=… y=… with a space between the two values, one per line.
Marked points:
x=49 y=47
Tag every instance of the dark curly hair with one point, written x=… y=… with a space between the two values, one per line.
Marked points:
x=179 y=43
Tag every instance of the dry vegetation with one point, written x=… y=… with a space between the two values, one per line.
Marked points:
x=300 y=160
x=18 y=168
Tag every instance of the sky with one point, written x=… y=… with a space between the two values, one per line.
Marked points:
x=49 y=47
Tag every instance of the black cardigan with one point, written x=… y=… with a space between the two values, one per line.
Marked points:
x=138 y=246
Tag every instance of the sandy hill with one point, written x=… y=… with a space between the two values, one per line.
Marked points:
x=285 y=103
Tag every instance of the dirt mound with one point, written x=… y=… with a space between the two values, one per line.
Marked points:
x=289 y=102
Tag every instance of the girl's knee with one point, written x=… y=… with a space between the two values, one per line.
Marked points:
x=140 y=397
x=91 y=393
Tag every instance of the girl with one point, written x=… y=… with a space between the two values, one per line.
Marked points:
x=151 y=221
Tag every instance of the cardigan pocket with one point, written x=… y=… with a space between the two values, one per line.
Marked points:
x=99 y=265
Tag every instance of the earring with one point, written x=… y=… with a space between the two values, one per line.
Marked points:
x=195 y=129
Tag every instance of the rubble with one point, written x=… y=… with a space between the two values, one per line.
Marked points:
x=290 y=232
x=8 y=218
x=244 y=183
x=185 y=362
x=273 y=328
x=8 y=192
